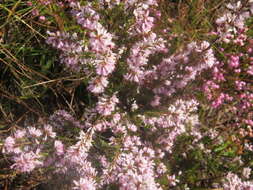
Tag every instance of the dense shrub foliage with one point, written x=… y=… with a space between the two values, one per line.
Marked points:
x=126 y=94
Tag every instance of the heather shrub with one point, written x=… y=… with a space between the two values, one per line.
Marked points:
x=128 y=95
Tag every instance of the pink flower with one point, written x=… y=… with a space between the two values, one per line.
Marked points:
x=161 y=168
x=101 y=41
x=26 y=162
x=135 y=74
x=116 y=118
x=35 y=12
x=234 y=61
x=34 y=132
x=49 y=131
x=106 y=106
x=9 y=144
x=98 y=85
x=85 y=184
x=78 y=151
x=250 y=70
x=240 y=85
x=172 y=180
x=86 y=17
x=106 y=65
x=132 y=127
x=156 y=101
x=42 y=18
x=100 y=126
x=29 y=3
x=59 y=147
x=20 y=134
x=249 y=122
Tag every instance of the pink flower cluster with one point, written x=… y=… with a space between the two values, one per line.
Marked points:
x=139 y=55
x=231 y=77
x=131 y=149
x=100 y=43
x=74 y=159
x=168 y=126
x=75 y=51
x=133 y=168
x=37 y=148
x=26 y=147
x=231 y=25
x=143 y=21
x=62 y=118
x=106 y=106
x=71 y=47
x=233 y=182
x=176 y=71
